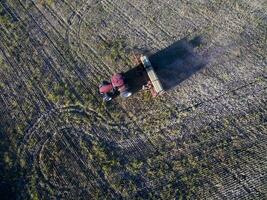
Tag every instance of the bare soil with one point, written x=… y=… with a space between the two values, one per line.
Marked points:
x=205 y=138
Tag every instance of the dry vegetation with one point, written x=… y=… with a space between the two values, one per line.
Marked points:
x=204 y=139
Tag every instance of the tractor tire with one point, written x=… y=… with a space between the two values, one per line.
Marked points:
x=126 y=94
x=107 y=98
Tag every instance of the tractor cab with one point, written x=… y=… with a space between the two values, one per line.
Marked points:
x=117 y=86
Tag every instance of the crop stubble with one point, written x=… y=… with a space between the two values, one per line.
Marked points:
x=206 y=138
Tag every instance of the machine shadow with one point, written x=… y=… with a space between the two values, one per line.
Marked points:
x=172 y=65
x=177 y=62
x=136 y=78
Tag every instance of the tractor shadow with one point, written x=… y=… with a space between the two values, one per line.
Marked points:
x=136 y=78
x=177 y=62
x=173 y=65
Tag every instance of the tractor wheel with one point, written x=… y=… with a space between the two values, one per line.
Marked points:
x=107 y=98
x=125 y=94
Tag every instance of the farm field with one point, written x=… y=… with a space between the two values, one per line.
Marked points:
x=204 y=138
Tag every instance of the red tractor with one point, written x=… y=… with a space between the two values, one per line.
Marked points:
x=118 y=83
x=115 y=87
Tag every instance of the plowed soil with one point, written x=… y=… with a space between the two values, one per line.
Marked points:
x=204 y=138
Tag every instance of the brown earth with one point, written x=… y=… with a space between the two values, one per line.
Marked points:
x=205 y=138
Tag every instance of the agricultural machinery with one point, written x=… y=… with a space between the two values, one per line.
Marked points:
x=119 y=82
x=117 y=85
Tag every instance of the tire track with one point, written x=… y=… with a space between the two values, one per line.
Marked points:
x=51 y=41
x=68 y=142
x=71 y=31
x=58 y=52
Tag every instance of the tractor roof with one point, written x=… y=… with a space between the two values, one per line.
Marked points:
x=117 y=80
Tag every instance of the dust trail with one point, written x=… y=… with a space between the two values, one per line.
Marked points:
x=212 y=54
